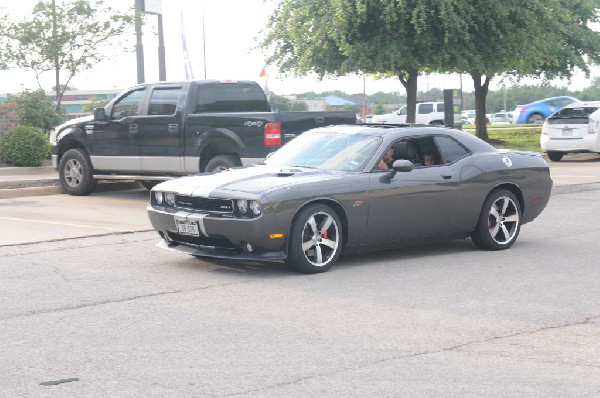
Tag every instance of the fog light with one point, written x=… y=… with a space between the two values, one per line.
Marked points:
x=158 y=196
x=247 y=247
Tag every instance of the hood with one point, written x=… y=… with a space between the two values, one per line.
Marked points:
x=255 y=180
x=78 y=120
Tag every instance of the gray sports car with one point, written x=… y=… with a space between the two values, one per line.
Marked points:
x=354 y=188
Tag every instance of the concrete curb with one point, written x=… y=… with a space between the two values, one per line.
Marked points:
x=9 y=193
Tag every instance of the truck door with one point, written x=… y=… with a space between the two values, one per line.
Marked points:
x=159 y=136
x=115 y=147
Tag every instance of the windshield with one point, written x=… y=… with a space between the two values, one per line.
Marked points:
x=327 y=150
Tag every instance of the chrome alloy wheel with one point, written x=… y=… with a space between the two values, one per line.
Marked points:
x=320 y=239
x=73 y=172
x=503 y=220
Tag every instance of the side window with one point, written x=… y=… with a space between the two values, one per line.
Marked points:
x=231 y=98
x=440 y=107
x=164 y=101
x=450 y=150
x=128 y=105
x=402 y=111
x=424 y=109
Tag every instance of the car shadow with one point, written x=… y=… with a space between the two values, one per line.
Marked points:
x=267 y=269
x=580 y=158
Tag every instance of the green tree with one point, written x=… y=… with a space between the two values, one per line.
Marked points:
x=66 y=38
x=549 y=38
x=37 y=110
x=379 y=109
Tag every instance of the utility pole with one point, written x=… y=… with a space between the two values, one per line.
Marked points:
x=55 y=50
x=139 y=47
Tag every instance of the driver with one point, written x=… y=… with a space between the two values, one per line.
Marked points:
x=386 y=162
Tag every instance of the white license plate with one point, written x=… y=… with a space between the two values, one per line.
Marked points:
x=567 y=132
x=189 y=228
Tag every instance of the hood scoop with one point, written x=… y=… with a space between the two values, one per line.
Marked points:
x=287 y=172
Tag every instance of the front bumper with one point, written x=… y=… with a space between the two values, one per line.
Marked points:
x=221 y=237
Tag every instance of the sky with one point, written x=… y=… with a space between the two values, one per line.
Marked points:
x=220 y=46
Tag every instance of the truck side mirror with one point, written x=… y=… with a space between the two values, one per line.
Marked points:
x=99 y=114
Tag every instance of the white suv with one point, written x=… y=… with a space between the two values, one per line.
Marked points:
x=430 y=112
x=574 y=128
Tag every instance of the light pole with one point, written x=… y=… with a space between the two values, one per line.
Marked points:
x=139 y=47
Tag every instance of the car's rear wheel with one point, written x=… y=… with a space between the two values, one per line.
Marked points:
x=75 y=173
x=222 y=162
x=315 y=240
x=536 y=118
x=500 y=221
x=555 y=156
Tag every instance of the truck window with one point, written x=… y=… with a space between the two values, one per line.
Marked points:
x=425 y=109
x=231 y=98
x=164 y=101
x=128 y=105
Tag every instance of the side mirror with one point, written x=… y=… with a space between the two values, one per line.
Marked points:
x=99 y=115
x=401 y=165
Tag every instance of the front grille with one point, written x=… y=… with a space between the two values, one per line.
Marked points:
x=204 y=204
x=218 y=242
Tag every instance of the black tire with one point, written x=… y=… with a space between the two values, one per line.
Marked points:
x=555 y=156
x=535 y=118
x=75 y=173
x=222 y=162
x=500 y=221
x=150 y=184
x=315 y=240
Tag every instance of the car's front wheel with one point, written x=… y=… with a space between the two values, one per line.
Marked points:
x=315 y=240
x=555 y=156
x=75 y=173
x=500 y=221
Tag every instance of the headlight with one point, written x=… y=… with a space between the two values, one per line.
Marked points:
x=242 y=205
x=158 y=196
x=170 y=198
x=255 y=207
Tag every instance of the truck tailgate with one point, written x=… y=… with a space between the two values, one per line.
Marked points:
x=295 y=123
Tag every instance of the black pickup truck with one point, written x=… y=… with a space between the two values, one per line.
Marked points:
x=154 y=132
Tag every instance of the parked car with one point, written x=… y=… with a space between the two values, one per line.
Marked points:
x=538 y=111
x=574 y=128
x=427 y=112
x=323 y=193
x=502 y=118
x=469 y=114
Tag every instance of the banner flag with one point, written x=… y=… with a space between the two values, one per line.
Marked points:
x=189 y=73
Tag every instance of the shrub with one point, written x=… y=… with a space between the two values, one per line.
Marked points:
x=24 y=146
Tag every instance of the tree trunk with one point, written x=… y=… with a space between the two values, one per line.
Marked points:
x=481 y=91
x=409 y=78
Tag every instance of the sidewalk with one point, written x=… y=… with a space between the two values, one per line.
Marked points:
x=38 y=181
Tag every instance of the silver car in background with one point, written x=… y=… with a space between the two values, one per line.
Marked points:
x=574 y=128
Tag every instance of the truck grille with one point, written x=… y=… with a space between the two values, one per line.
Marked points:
x=204 y=204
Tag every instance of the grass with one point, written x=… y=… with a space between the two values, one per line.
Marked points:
x=509 y=136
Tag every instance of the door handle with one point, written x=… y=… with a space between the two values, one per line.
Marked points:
x=446 y=176
x=133 y=128
x=173 y=128
x=320 y=119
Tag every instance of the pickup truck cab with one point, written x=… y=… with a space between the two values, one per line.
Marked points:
x=428 y=112
x=155 y=132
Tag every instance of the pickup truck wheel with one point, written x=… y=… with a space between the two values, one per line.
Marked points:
x=222 y=162
x=75 y=173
